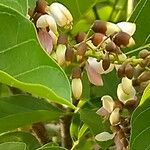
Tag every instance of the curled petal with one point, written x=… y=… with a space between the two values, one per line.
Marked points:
x=102 y=112
x=54 y=37
x=61 y=14
x=108 y=103
x=47 y=21
x=45 y=40
x=115 y=117
x=126 y=85
x=127 y=27
x=104 y=136
x=94 y=77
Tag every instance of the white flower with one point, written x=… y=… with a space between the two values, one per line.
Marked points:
x=125 y=90
x=61 y=14
x=104 y=136
x=47 y=21
x=115 y=117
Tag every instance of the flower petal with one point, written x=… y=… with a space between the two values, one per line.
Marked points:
x=94 y=77
x=102 y=112
x=127 y=27
x=104 y=136
x=115 y=117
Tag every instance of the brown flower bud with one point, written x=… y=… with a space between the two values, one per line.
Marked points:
x=124 y=142
x=99 y=26
x=111 y=47
x=81 y=49
x=144 y=62
x=69 y=54
x=118 y=104
x=41 y=6
x=144 y=53
x=121 y=134
x=76 y=72
x=131 y=104
x=80 y=37
x=62 y=39
x=121 y=71
x=123 y=39
x=106 y=62
x=97 y=38
x=129 y=71
x=145 y=76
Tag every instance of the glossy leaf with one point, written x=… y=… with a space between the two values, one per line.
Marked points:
x=141 y=17
x=20 y=136
x=19 y=5
x=21 y=110
x=13 y=146
x=24 y=64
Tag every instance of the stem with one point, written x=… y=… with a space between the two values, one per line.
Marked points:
x=66 y=140
x=96 y=13
x=40 y=132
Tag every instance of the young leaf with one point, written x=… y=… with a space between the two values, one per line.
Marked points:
x=24 y=64
x=21 y=110
x=20 y=136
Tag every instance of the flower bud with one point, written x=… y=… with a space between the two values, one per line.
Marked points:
x=41 y=6
x=115 y=117
x=60 y=54
x=144 y=53
x=111 y=47
x=62 y=39
x=69 y=55
x=80 y=37
x=76 y=83
x=129 y=71
x=61 y=14
x=104 y=136
x=108 y=103
x=121 y=71
x=97 y=38
x=81 y=49
x=131 y=104
x=123 y=39
x=45 y=21
x=106 y=62
x=145 y=76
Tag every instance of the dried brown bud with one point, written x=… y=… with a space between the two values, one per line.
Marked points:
x=144 y=53
x=81 y=49
x=106 y=62
x=80 y=37
x=97 y=38
x=62 y=39
x=111 y=47
x=131 y=104
x=76 y=72
x=69 y=54
x=145 y=76
x=129 y=71
x=121 y=71
x=99 y=26
x=41 y=6
x=124 y=142
x=144 y=62
x=118 y=104
x=123 y=39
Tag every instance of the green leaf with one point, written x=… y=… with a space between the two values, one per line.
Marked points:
x=20 y=136
x=78 y=8
x=21 y=110
x=19 y=5
x=13 y=146
x=141 y=17
x=140 y=125
x=25 y=65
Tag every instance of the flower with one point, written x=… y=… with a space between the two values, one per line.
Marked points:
x=125 y=90
x=61 y=15
x=104 y=136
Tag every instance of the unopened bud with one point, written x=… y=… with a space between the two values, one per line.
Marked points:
x=131 y=104
x=69 y=55
x=80 y=37
x=60 y=53
x=108 y=103
x=41 y=6
x=106 y=63
x=121 y=71
x=123 y=39
x=81 y=49
x=144 y=53
x=97 y=38
x=76 y=88
x=115 y=117
x=145 y=76
x=62 y=39
x=111 y=47
x=99 y=26
x=76 y=73
x=61 y=14
x=129 y=71
x=45 y=21
x=104 y=136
